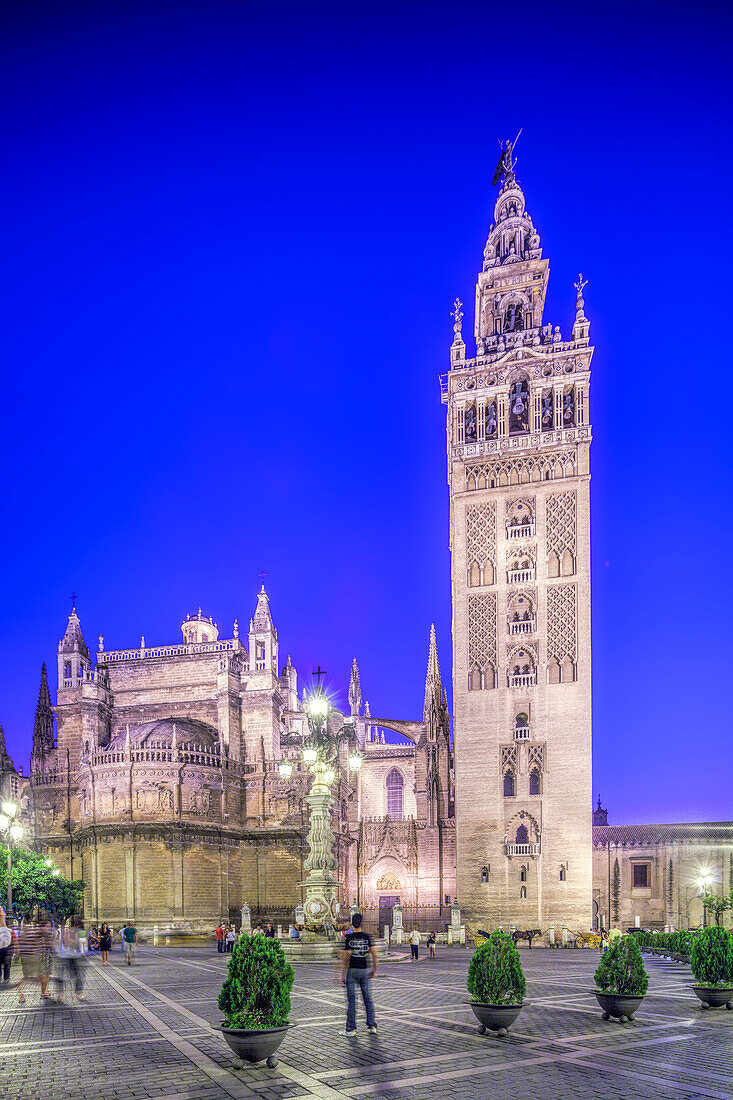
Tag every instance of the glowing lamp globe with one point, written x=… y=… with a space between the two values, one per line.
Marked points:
x=4 y=821
x=285 y=768
x=16 y=831
x=328 y=776
x=310 y=756
x=318 y=706
x=10 y=809
x=355 y=761
x=55 y=873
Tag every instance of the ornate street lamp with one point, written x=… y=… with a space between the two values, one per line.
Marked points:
x=285 y=768
x=14 y=832
x=321 y=886
x=704 y=882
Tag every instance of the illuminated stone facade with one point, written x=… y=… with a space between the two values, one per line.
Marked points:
x=518 y=435
x=162 y=788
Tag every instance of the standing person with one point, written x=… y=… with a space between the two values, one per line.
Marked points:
x=230 y=939
x=34 y=946
x=129 y=933
x=414 y=945
x=7 y=948
x=356 y=971
x=92 y=939
x=431 y=945
x=220 y=938
x=105 y=942
x=269 y=930
x=122 y=936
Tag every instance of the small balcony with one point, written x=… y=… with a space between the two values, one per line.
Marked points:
x=520 y=530
x=523 y=679
x=522 y=849
x=521 y=733
x=523 y=626
x=520 y=576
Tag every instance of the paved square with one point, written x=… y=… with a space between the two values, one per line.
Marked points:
x=150 y=1031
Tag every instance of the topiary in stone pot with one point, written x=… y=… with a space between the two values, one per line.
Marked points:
x=255 y=999
x=496 y=984
x=711 y=962
x=621 y=979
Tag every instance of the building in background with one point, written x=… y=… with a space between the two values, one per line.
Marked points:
x=161 y=785
x=518 y=435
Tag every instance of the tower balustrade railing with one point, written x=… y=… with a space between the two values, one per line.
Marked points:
x=520 y=576
x=522 y=849
x=523 y=626
x=165 y=651
x=522 y=679
x=520 y=530
x=521 y=733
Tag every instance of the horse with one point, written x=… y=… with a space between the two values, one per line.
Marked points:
x=528 y=934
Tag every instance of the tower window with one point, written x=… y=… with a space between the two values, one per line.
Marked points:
x=563 y=874
x=534 y=782
x=484 y=874
x=513 y=319
x=395 y=784
x=640 y=878
x=508 y=785
x=522 y=892
x=523 y=874
x=522 y=835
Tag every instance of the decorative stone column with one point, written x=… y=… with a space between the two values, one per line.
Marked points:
x=321 y=887
x=246 y=918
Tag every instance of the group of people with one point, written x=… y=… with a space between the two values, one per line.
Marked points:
x=415 y=941
x=48 y=955
x=101 y=940
x=226 y=937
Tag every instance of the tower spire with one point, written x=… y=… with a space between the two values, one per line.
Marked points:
x=355 y=689
x=433 y=683
x=43 y=724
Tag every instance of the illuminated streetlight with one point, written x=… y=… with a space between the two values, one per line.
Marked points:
x=10 y=809
x=354 y=761
x=310 y=756
x=15 y=832
x=285 y=768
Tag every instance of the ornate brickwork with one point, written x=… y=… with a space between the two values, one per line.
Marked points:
x=517 y=471
x=508 y=758
x=561 y=622
x=561 y=525
x=481 y=533
x=482 y=630
x=536 y=757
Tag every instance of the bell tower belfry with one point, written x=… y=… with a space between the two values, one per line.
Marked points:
x=518 y=437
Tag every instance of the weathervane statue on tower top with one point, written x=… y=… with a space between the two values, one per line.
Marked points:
x=505 y=164
x=579 y=284
x=457 y=314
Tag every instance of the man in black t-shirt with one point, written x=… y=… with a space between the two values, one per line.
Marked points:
x=358 y=965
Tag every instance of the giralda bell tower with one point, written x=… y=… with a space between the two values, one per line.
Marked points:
x=518 y=469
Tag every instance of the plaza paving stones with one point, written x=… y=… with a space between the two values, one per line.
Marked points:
x=149 y=1031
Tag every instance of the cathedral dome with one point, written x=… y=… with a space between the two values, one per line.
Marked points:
x=188 y=731
x=199 y=629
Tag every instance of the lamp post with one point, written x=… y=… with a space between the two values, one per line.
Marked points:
x=704 y=882
x=320 y=754
x=14 y=833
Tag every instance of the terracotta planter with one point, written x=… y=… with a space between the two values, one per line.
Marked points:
x=714 y=996
x=497 y=1018
x=621 y=1006
x=256 y=1045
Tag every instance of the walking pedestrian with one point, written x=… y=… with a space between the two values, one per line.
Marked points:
x=7 y=948
x=230 y=940
x=105 y=943
x=431 y=945
x=129 y=933
x=220 y=938
x=414 y=945
x=358 y=966
x=34 y=946
x=74 y=960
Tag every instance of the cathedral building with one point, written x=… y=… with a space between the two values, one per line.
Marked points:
x=518 y=435
x=158 y=779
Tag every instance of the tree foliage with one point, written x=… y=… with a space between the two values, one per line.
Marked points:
x=621 y=969
x=256 y=992
x=35 y=887
x=495 y=973
x=711 y=960
x=717 y=904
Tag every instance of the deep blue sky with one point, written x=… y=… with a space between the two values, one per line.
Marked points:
x=231 y=241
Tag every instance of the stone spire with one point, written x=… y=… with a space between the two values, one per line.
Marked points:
x=73 y=639
x=262 y=618
x=458 y=347
x=355 y=689
x=3 y=750
x=43 y=724
x=433 y=683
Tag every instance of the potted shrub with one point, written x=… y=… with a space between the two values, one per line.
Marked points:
x=712 y=964
x=621 y=979
x=255 y=998
x=496 y=984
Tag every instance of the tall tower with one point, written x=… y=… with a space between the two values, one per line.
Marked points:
x=518 y=471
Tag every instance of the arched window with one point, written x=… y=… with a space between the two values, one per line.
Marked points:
x=395 y=785
x=474 y=575
x=534 y=781
x=553 y=564
x=523 y=874
x=522 y=891
x=508 y=785
x=567 y=565
x=521 y=721
x=522 y=835
x=484 y=874
x=553 y=671
x=563 y=874
x=568 y=671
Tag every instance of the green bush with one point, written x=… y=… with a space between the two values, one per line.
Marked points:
x=256 y=992
x=712 y=957
x=495 y=974
x=621 y=969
